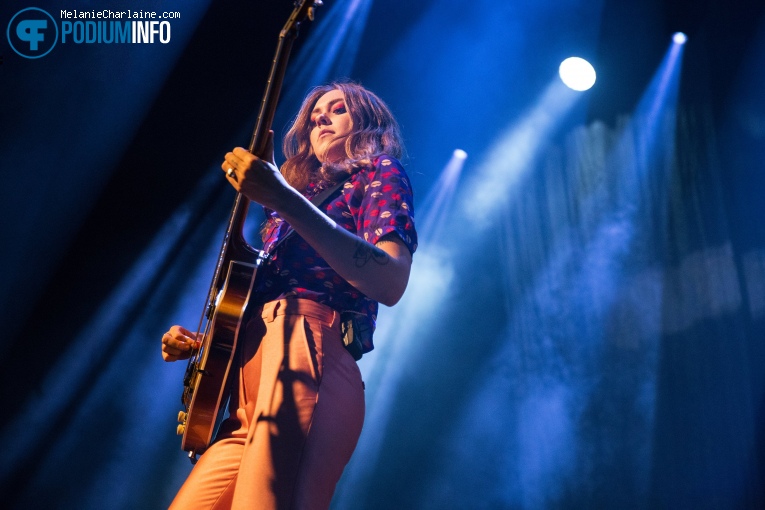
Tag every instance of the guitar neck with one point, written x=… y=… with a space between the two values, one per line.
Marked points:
x=235 y=246
x=271 y=97
x=287 y=37
x=258 y=142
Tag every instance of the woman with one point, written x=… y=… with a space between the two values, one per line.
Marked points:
x=299 y=408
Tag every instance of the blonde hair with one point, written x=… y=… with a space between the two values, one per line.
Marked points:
x=374 y=132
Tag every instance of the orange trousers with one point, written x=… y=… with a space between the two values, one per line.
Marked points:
x=294 y=422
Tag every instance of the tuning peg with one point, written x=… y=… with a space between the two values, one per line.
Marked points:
x=182 y=416
x=312 y=9
x=180 y=430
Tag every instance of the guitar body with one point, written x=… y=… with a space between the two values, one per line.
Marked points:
x=205 y=384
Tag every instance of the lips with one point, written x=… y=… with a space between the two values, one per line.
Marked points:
x=326 y=132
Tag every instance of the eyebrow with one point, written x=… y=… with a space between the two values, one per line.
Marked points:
x=329 y=105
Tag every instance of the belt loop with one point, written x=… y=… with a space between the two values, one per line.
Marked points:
x=269 y=311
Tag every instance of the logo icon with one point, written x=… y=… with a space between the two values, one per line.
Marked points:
x=32 y=33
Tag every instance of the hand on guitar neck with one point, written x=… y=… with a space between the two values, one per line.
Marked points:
x=258 y=179
x=178 y=344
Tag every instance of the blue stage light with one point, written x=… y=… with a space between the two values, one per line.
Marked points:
x=577 y=73
x=679 y=38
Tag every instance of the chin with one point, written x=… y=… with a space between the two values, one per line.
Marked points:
x=334 y=156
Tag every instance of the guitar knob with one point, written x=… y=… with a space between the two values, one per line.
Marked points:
x=180 y=430
x=182 y=417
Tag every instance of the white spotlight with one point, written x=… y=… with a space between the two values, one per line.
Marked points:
x=460 y=154
x=679 y=38
x=577 y=73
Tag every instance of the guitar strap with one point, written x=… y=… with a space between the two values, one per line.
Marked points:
x=318 y=200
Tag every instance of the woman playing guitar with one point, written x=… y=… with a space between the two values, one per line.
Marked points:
x=297 y=399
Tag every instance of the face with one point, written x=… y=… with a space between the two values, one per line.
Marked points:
x=331 y=124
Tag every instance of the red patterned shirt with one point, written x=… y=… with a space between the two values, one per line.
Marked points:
x=376 y=202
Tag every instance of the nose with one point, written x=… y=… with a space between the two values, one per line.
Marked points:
x=322 y=119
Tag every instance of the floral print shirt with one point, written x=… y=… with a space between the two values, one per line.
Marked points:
x=375 y=202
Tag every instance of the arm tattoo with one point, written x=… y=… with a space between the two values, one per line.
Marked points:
x=365 y=252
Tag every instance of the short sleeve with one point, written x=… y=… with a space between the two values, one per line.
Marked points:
x=383 y=203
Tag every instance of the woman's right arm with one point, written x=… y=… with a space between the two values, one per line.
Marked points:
x=178 y=344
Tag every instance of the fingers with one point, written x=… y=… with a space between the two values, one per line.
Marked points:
x=243 y=154
x=255 y=177
x=267 y=153
x=231 y=165
x=178 y=343
x=237 y=162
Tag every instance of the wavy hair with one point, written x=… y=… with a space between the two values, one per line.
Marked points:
x=374 y=132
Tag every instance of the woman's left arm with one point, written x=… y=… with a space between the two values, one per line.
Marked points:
x=380 y=271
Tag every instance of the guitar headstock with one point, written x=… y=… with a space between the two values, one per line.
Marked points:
x=312 y=8
x=303 y=9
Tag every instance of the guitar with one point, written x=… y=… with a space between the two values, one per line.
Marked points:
x=205 y=390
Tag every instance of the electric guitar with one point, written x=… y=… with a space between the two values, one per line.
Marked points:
x=205 y=390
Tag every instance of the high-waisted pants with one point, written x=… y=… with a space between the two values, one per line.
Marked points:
x=294 y=422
